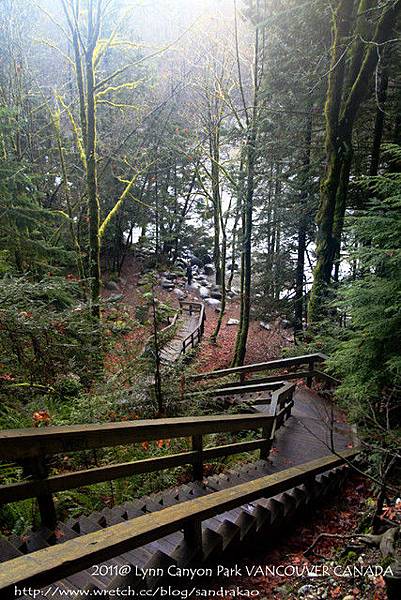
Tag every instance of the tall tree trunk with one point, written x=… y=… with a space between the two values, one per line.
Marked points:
x=246 y=259
x=157 y=217
x=223 y=284
x=246 y=263
x=379 y=121
x=302 y=225
x=325 y=247
x=91 y=168
x=341 y=111
x=215 y=172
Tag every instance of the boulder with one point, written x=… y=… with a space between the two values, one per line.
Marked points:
x=209 y=269
x=207 y=259
x=115 y=298
x=204 y=292
x=265 y=325
x=170 y=276
x=233 y=322
x=195 y=261
x=194 y=285
x=213 y=302
x=216 y=294
x=111 y=285
x=179 y=293
x=166 y=284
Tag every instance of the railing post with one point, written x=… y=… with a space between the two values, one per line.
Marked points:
x=266 y=434
x=197 y=446
x=38 y=469
x=309 y=379
x=288 y=411
x=193 y=536
x=310 y=488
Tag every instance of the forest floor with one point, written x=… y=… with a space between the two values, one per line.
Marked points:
x=262 y=344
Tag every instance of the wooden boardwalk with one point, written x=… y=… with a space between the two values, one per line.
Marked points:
x=186 y=324
x=307 y=435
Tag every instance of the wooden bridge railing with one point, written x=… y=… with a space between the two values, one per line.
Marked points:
x=240 y=373
x=195 y=336
x=51 y=564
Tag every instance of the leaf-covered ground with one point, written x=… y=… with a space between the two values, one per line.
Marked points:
x=262 y=344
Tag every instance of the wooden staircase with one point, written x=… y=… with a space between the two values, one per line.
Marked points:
x=198 y=521
x=189 y=332
x=221 y=533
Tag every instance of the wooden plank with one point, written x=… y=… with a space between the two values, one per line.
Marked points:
x=327 y=377
x=238 y=389
x=17 y=444
x=235 y=448
x=266 y=366
x=51 y=564
x=277 y=398
x=29 y=489
x=272 y=378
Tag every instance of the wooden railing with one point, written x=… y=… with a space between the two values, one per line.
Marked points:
x=239 y=374
x=171 y=323
x=195 y=336
x=32 y=448
x=51 y=564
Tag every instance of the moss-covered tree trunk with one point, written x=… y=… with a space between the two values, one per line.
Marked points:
x=91 y=171
x=340 y=112
x=325 y=247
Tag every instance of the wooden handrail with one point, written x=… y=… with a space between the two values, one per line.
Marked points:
x=247 y=388
x=51 y=564
x=32 y=448
x=195 y=306
x=32 y=442
x=272 y=379
x=190 y=339
x=280 y=408
x=265 y=366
